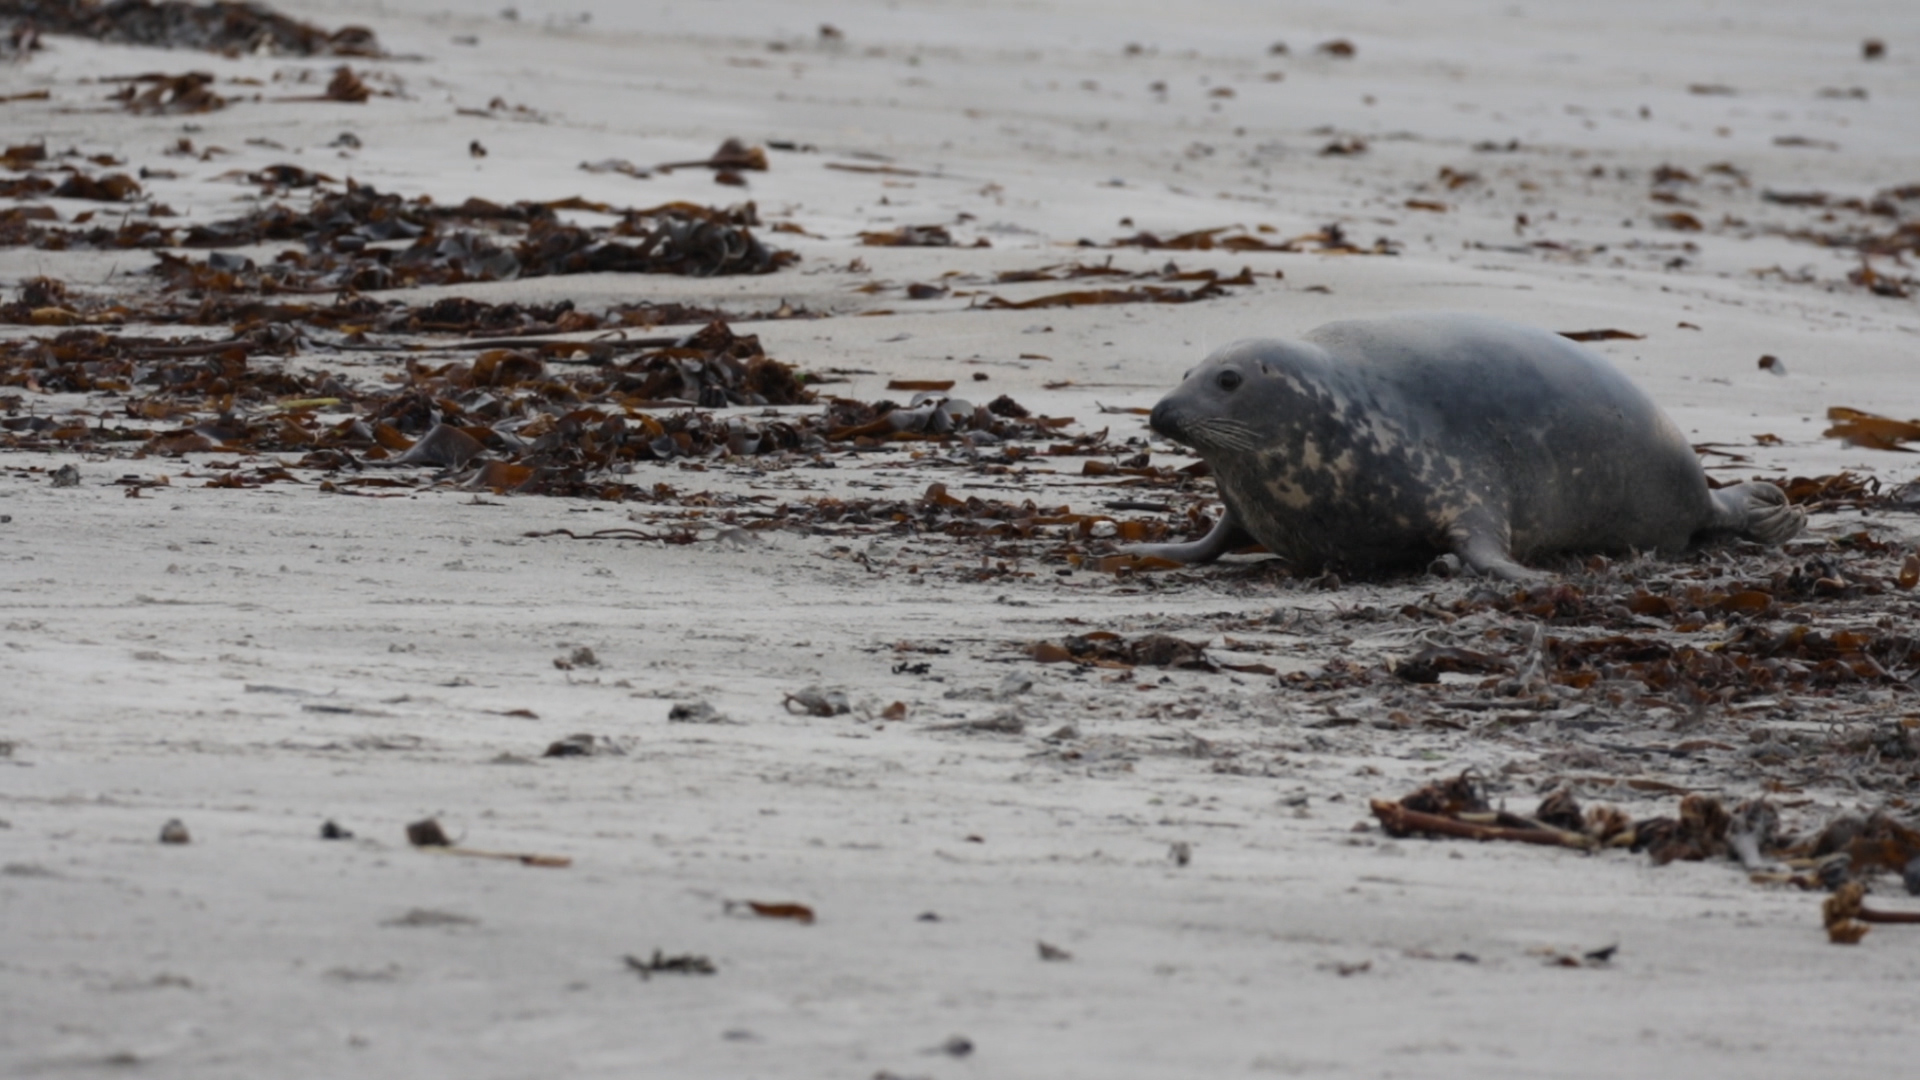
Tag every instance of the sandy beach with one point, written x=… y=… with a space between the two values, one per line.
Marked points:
x=848 y=807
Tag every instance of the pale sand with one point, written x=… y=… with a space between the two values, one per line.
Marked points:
x=255 y=662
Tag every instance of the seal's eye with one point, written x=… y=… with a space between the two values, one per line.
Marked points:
x=1228 y=380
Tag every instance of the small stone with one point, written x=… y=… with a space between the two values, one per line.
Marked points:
x=174 y=832
x=427 y=833
x=331 y=830
x=694 y=712
x=581 y=745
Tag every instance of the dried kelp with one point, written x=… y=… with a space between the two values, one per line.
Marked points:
x=1842 y=856
x=473 y=241
x=1328 y=240
x=530 y=419
x=1106 y=649
x=170 y=95
x=1206 y=285
x=1701 y=828
x=350 y=236
x=48 y=302
x=1870 y=430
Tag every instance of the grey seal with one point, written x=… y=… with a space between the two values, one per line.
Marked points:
x=1380 y=444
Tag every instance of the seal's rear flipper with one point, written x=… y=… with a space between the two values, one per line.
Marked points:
x=1226 y=536
x=1759 y=512
x=1483 y=546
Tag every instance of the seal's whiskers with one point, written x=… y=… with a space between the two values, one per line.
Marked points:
x=1222 y=433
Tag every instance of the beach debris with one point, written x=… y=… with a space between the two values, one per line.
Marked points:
x=911 y=236
x=581 y=745
x=1104 y=648
x=616 y=165
x=1004 y=722
x=473 y=241
x=170 y=95
x=1592 y=958
x=1107 y=649
x=1697 y=833
x=733 y=156
x=65 y=476
x=581 y=656
x=346 y=86
x=1433 y=661
x=1456 y=809
x=815 y=701
x=1012 y=685
x=1870 y=430
x=1328 y=240
x=284 y=177
x=175 y=832
x=1837 y=857
x=1338 y=48
x=232 y=29
x=694 y=712
x=1181 y=852
x=348 y=239
x=1198 y=285
x=1346 y=968
x=799 y=913
x=1879 y=842
x=1053 y=953
x=1143 y=294
x=661 y=964
x=427 y=835
x=1881 y=284
x=425 y=918
x=332 y=830
x=1847 y=916
x=113 y=187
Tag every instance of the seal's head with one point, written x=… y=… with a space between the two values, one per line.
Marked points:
x=1231 y=402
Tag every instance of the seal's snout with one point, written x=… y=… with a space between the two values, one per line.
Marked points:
x=1161 y=421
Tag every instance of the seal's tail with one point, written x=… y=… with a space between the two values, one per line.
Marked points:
x=1760 y=512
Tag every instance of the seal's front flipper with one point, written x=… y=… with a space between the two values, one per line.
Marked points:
x=1483 y=546
x=1759 y=512
x=1226 y=536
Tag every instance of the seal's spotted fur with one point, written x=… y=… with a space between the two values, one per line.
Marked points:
x=1383 y=443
